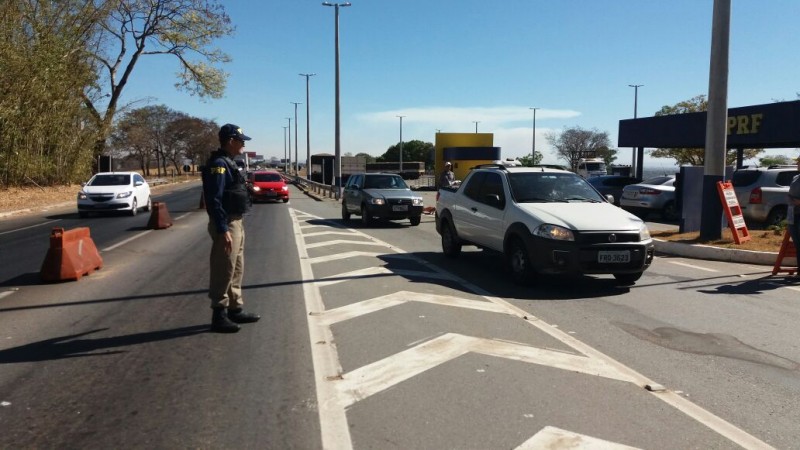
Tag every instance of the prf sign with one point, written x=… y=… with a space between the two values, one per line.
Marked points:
x=744 y=124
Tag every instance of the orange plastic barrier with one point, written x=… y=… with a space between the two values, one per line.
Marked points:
x=787 y=251
x=72 y=254
x=159 y=217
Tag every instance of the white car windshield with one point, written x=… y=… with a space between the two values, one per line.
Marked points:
x=531 y=187
x=111 y=180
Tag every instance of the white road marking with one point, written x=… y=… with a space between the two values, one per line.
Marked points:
x=369 y=271
x=552 y=437
x=132 y=238
x=691 y=266
x=328 y=233
x=28 y=227
x=348 y=312
x=341 y=242
x=336 y=391
x=7 y=293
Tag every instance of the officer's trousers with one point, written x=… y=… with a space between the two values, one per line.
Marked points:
x=227 y=271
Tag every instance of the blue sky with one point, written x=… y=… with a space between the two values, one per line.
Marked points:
x=444 y=64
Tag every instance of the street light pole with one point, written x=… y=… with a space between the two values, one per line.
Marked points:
x=284 y=150
x=337 y=164
x=635 y=107
x=476 y=122
x=308 y=127
x=296 y=161
x=533 y=145
x=401 y=144
x=289 y=159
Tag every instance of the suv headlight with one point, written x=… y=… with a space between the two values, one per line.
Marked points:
x=555 y=232
x=416 y=201
x=376 y=201
x=644 y=233
x=124 y=194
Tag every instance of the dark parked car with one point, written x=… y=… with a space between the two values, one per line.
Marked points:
x=611 y=185
x=380 y=195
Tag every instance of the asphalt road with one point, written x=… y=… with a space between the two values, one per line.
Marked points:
x=370 y=338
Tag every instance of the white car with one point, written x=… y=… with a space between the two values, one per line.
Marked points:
x=653 y=195
x=114 y=191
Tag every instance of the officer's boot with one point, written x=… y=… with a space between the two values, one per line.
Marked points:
x=220 y=322
x=239 y=316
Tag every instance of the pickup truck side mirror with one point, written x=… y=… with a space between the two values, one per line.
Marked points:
x=610 y=198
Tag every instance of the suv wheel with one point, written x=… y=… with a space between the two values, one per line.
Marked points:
x=345 y=212
x=520 y=262
x=415 y=220
x=776 y=216
x=451 y=246
x=366 y=219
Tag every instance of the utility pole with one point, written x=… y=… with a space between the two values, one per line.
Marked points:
x=308 y=126
x=337 y=163
x=401 y=144
x=296 y=162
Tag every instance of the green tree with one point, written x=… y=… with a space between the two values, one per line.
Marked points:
x=694 y=156
x=529 y=161
x=415 y=150
x=133 y=29
x=778 y=160
x=575 y=143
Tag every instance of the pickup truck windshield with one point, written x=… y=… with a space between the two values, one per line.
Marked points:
x=531 y=187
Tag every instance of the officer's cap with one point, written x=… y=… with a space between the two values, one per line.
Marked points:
x=230 y=130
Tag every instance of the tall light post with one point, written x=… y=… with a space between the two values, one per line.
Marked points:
x=337 y=163
x=401 y=144
x=296 y=162
x=289 y=159
x=308 y=126
x=476 y=122
x=635 y=107
x=533 y=145
x=284 y=150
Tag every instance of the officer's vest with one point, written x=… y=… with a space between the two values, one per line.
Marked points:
x=235 y=198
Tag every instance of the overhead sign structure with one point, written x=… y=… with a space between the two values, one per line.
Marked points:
x=733 y=212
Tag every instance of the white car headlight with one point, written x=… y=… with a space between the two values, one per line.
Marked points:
x=376 y=201
x=125 y=194
x=256 y=188
x=82 y=195
x=644 y=233
x=555 y=232
x=416 y=201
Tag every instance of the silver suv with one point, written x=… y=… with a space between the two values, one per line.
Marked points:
x=763 y=193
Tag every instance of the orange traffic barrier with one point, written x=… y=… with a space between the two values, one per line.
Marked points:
x=202 y=201
x=787 y=251
x=429 y=210
x=159 y=217
x=72 y=254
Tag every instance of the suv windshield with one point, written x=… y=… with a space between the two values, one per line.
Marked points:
x=384 y=182
x=551 y=187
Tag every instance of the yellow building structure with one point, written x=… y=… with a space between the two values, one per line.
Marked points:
x=464 y=151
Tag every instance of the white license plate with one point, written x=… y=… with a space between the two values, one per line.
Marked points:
x=618 y=256
x=399 y=207
x=631 y=194
x=272 y=194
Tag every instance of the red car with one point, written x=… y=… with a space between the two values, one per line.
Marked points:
x=267 y=185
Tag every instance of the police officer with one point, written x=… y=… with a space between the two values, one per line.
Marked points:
x=227 y=200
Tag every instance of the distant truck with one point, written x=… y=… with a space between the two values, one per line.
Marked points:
x=591 y=167
x=412 y=170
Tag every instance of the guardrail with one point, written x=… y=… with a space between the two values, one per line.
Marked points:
x=424 y=182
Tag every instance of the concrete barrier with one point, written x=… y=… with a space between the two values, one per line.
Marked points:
x=71 y=255
x=159 y=217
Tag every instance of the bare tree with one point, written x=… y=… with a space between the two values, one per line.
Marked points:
x=182 y=28
x=575 y=143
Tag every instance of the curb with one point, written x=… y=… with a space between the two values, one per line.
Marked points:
x=698 y=251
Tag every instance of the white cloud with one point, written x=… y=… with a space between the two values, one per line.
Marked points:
x=444 y=118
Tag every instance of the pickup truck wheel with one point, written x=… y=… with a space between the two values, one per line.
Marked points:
x=345 y=212
x=366 y=219
x=626 y=279
x=451 y=246
x=520 y=263
x=415 y=220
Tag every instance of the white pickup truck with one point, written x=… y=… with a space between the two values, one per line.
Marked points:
x=545 y=221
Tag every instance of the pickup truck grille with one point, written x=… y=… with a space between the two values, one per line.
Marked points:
x=606 y=238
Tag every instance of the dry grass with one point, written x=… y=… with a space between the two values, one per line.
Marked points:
x=19 y=198
x=760 y=240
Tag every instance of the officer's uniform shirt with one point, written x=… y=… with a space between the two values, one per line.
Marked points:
x=219 y=176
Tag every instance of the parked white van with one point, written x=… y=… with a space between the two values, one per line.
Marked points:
x=591 y=167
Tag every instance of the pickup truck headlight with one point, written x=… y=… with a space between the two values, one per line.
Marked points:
x=82 y=195
x=124 y=194
x=376 y=201
x=416 y=201
x=644 y=233
x=555 y=232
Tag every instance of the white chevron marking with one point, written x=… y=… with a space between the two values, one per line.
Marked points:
x=552 y=437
